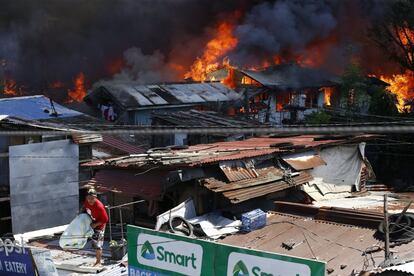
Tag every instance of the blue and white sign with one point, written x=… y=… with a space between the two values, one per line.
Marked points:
x=15 y=260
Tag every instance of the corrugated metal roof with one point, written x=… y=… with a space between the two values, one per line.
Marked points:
x=147 y=186
x=116 y=270
x=336 y=244
x=406 y=268
x=201 y=119
x=120 y=145
x=292 y=76
x=222 y=151
x=34 y=108
x=304 y=161
x=132 y=95
x=270 y=180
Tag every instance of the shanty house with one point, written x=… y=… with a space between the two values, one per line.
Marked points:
x=134 y=103
x=194 y=119
x=282 y=93
x=224 y=175
x=40 y=173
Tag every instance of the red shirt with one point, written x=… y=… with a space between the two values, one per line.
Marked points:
x=97 y=213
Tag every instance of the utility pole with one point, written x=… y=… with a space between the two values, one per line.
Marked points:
x=386 y=229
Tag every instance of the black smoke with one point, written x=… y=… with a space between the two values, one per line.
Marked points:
x=270 y=28
x=42 y=41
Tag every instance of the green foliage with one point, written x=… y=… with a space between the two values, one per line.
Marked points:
x=353 y=89
x=383 y=102
x=318 y=118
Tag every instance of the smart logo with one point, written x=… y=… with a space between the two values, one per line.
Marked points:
x=147 y=251
x=240 y=269
x=240 y=264
x=168 y=254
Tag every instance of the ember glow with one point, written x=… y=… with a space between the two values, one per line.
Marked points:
x=56 y=85
x=10 y=87
x=214 y=51
x=79 y=92
x=402 y=85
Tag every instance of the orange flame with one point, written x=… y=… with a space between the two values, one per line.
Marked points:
x=328 y=91
x=79 y=92
x=10 y=87
x=216 y=48
x=402 y=86
x=230 y=80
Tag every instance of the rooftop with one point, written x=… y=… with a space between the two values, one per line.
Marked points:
x=133 y=95
x=35 y=108
x=292 y=76
x=345 y=248
x=202 y=119
x=223 y=151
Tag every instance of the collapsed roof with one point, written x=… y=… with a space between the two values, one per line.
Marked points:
x=292 y=76
x=130 y=95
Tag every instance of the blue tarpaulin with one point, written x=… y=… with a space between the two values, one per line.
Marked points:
x=34 y=108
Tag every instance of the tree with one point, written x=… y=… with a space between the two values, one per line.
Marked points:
x=383 y=102
x=395 y=32
x=354 y=89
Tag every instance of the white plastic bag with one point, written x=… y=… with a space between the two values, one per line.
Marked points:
x=77 y=233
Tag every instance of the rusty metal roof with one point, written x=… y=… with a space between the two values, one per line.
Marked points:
x=202 y=154
x=304 y=162
x=147 y=186
x=334 y=243
x=120 y=145
x=270 y=180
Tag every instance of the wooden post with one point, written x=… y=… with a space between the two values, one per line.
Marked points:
x=386 y=228
x=122 y=224
x=109 y=222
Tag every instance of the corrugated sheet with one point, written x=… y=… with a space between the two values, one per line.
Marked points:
x=292 y=76
x=304 y=162
x=238 y=170
x=121 y=145
x=239 y=191
x=132 y=95
x=201 y=119
x=406 y=268
x=215 y=152
x=116 y=270
x=34 y=108
x=147 y=186
x=79 y=138
x=333 y=243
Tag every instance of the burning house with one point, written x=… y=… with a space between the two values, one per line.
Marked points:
x=282 y=93
x=133 y=103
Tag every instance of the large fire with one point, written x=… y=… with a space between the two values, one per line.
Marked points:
x=216 y=49
x=402 y=85
x=79 y=92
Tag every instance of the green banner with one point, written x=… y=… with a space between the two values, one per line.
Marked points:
x=153 y=253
